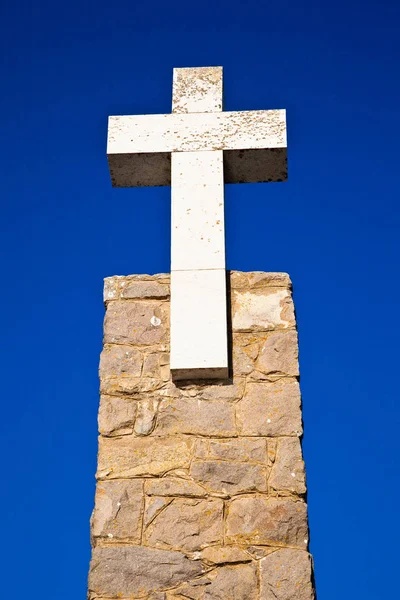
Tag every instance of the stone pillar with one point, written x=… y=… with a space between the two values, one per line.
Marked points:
x=201 y=485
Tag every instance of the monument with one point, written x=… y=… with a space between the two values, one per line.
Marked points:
x=201 y=483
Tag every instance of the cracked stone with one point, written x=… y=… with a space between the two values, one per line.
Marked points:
x=271 y=521
x=118 y=508
x=146 y=416
x=229 y=477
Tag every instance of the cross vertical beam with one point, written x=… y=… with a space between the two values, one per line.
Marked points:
x=199 y=347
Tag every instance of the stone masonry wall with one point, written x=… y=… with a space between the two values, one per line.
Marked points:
x=201 y=486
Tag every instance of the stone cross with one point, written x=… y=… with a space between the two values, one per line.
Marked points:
x=195 y=150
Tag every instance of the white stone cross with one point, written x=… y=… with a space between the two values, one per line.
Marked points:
x=195 y=150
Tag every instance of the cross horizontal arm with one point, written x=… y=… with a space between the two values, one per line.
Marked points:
x=254 y=145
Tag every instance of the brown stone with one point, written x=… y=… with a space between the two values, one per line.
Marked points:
x=286 y=575
x=262 y=310
x=122 y=572
x=224 y=554
x=229 y=478
x=270 y=408
x=144 y=289
x=118 y=360
x=138 y=323
x=270 y=521
x=156 y=365
x=236 y=582
x=116 y=415
x=173 y=486
x=194 y=416
x=279 y=354
x=243 y=364
x=186 y=524
x=146 y=416
x=136 y=456
x=154 y=505
x=239 y=449
x=118 y=510
x=287 y=475
x=256 y=279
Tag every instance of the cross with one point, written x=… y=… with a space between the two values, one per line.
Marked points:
x=195 y=150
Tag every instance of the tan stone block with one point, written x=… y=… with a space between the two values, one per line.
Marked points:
x=286 y=575
x=233 y=582
x=118 y=510
x=255 y=279
x=239 y=449
x=118 y=360
x=186 y=524
x=174 y=486
x=229 y=478
x=262 y=310
x=135 y=572
x=224 y=554
x=153 y=507
x=144 y=289
x=242 y=363
x=194 y=416
x=229 y=391
x=270 y=521
x=146 y=416
x=137 y=323
x=287 y=475
x=271 y=409
x=136 y=456
x=116 y=415
x=279 y=354
x=132 y=386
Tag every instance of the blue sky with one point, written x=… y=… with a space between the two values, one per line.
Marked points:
x=334 y=227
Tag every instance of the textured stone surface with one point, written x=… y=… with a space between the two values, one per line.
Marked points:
x=120 y=572
x=201 y=484
x=197 y=417
x=287 y=475
x=187 y=524
x=237 y=582
x=138 y=323
x=270 y=409
x=261 y=520
x=118 y=510
x=262 y=310
x=286 y=575
x=134 y=456
x=229 y=477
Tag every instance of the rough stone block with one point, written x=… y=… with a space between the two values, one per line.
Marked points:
x=116 y=415
x=141 y=456
x=270 y=409
x=286 y=575
x=287 y=475
x=279 y=354
x=269 y=521
x=134 y=572
x=229 y=478
x=187 y=524
x=118 y=510
x=231 y=582
x=262 y=310
x=138 y=323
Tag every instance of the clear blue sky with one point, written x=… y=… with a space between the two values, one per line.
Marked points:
x=334 y=227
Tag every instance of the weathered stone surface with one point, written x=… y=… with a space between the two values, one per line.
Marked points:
x=257 y=279
x=139 y=323
x=224 y=554
x=144 y=289
x=262 y=310
x=154 y=505
x=118 y=510
x=229 y=477
x=199 y=417
x=121 y=572
x=173 y=486
x=132 y=386
x=261 y=520
x=156 y=365
x=287 y=475
x=120 y=361
x=286 y=575
x=270 y=409
x=279 y=354
x=243 y=364
x=135 y=456
x=237 y=582
x=116 y=415
x=146 y=416
x=229 y=391
x=114 y=286
x=239 y=449
x=187 y=524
